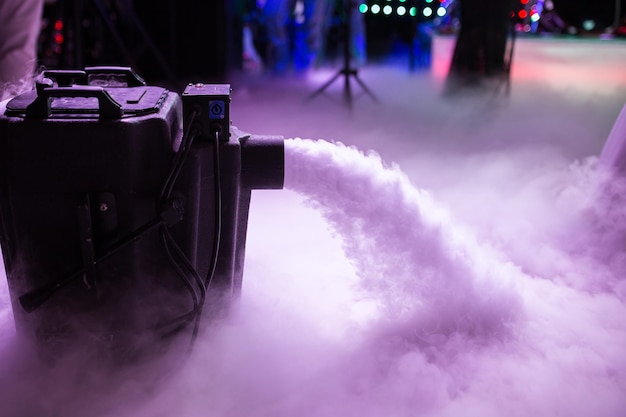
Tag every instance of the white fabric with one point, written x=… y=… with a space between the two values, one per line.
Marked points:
x=20 y=24
x=613 y=154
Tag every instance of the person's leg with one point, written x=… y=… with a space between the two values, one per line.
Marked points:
x=276 y=15
x=311 y=40
x=357 y=22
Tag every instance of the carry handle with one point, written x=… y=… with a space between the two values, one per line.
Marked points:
x=41 y=107
x=132 y=78
x=65 y=78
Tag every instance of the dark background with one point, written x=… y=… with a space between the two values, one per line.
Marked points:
x=574 y=12
x=172 y=42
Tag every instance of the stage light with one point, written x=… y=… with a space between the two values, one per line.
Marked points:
x=403 y=8
x=535 y=17
x=589 y=24
x=523 y=14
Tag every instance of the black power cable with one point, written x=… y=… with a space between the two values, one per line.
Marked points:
x=177 y=258
x=33 y=299
x=179 y=160
x=181 y=264
x=216 y=234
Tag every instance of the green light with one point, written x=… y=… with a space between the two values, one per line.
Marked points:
x=429 y=1
x=363 y=8
x=413 y=11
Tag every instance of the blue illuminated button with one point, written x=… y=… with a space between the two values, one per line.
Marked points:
x=217 y=109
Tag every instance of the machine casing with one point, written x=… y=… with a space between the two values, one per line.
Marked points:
x=74 y=181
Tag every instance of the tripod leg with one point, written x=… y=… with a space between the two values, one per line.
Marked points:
x=347 y=93
x=325 y=86
x=365 y=87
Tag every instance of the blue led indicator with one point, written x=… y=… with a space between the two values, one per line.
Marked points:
x=217 y=109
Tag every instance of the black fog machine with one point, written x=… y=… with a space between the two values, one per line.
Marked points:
x=124 y=209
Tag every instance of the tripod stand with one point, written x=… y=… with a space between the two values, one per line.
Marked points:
x=347 y=71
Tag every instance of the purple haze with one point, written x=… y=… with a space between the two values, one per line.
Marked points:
x=481 y=274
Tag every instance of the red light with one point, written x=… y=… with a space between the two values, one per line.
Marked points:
x=524 y=1
x=58 y=25
x=58 y=38
x=522 y=14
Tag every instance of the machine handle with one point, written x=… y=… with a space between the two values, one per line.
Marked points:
x=41 y=107
x=132 y=78
x=65 y=78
